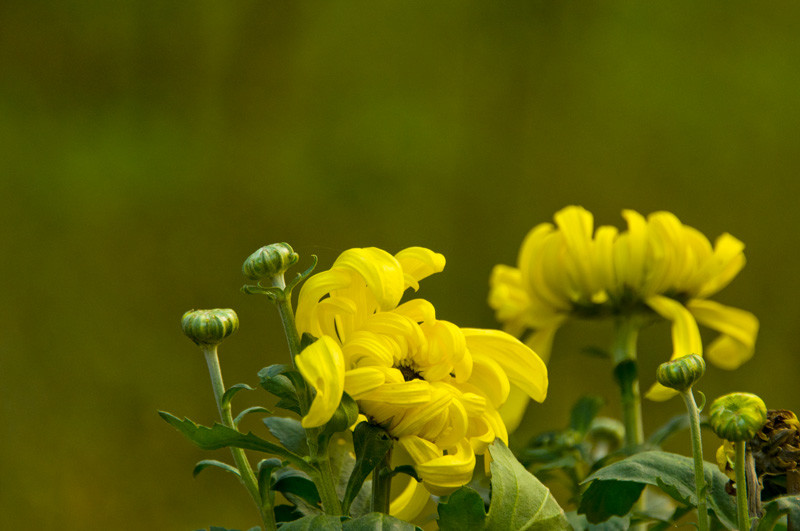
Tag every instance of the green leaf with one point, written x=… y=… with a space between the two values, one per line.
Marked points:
x=264 y=475
x=672 y=426
x=615 y=523
x=314 y=523
x=205 y=463
x=464 y=509
x=344 y=417
x=377 y=522
x=371 y=444
x=519 y=500
x=248 y=411
x=289 y=432
x=228 y=395
x=650 y=468
x=584 y=411
x=775 y=509
x=276 y=380
x=219 y=436
x=604 y=499
x=293 y=483
x=286 y=513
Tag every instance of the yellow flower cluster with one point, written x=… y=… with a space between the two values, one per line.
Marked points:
x=659 y=264
x=436 y=388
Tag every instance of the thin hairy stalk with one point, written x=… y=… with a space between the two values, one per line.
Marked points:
x=697 y=454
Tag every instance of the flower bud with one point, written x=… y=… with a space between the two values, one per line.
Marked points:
x=269 y=261
x=681 y=373
x=737 y=416
x=209 y=327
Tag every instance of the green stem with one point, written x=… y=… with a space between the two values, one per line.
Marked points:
x=742 y=512
x=246 y=473
x=382 y=484
x=697 y=453
x=623 y=352
x=319 y=456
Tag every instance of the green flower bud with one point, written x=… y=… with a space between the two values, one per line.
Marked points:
x=681 y=373
x=737 y=416
x=269 y=261
x=209 y=327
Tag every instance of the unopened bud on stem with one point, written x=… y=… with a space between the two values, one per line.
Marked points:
x=681 y=373
x=209 y=327
x=737 y=416
x=269 y=261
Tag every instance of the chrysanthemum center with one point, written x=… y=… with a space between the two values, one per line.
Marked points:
x=409 y=373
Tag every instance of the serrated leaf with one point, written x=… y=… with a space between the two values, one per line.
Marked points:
x=219 y=436
x=615 y=523
x=464 y=509
x=605 y=499
x=276 y=379
x=344 y=417
x=289 y=432
x=377 y=522
x=314 y=523
x=264 y=474
x=250 y=411
x=371 y=444
x=232 y=390
x=290 y=482
x=775 y=509
x=205 y=463
x=519 y=500
x=677 y=471
x=584 y=411
x=669 y=428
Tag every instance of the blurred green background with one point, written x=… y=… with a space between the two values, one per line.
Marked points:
x=148 y=147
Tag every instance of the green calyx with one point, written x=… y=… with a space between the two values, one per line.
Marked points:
x=737 y=416
x=269 y=261
x=681 y=373
x=209 y=327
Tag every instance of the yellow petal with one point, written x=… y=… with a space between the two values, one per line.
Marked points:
x=406 y=394
x=513 y=410
x=739 y=329
x=418 y=310
x=489 y=378
x=605 y=237
x=412 y=420
x=576 y=225
x=322 y=366
x=358 y=382
x=447 y=473
x=523 y=367
x=541 y=340
x=382 y=273
x=685 y=335
x=312 y=291
x=419 y=263
x=727 y=261
x=659 y=393
x=411 y=501
x=366 y=348
x=630 y=251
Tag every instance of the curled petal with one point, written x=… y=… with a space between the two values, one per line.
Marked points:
x=418 y=310
x=360 y=381
x=490 y=378
x=406 y=394
x=576 y=225
x=739 y=329
x=322 y=366
x=685 y=335
x=630 y=251
x=365 y=348
x=447 y=473
x=411 y=501
x=514 y=408
x=312 y=291
x=380 y=270
x=727 y=261
x=419 y=263
x=524 y=368
x=414 y=419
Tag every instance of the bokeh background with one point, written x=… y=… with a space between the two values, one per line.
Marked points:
x=147 y=147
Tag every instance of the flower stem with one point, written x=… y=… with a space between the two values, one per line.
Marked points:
x=742 y=512
x=624 y=357
x=245 y=472
x=382 y=484
x=319 y=456
x=697 y=453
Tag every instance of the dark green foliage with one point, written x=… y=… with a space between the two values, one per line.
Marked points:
x=371 y=443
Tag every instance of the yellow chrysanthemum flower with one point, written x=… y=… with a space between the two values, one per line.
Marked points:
x=436 y=388
x=569 y=269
